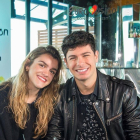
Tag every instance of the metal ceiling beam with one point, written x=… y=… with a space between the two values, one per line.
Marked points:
x=27 y=23
x=73 y=25
x=69 y=18
x=49 y=22
x=43 y=3
x=58 y=20
x=45 y=21
x=31 y=19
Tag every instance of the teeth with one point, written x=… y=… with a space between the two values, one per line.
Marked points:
x=42 y=79
x=82 y=70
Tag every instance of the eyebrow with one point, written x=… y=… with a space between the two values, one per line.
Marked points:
x=82 y=54
x=85 y=53
x=47 y=65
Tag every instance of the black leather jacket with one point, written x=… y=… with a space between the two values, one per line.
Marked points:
x=117 y=106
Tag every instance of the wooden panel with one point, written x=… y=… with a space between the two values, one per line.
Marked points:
x=57 y=36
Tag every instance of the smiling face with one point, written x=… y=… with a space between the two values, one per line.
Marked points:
x=81 y=61
x=41 y=72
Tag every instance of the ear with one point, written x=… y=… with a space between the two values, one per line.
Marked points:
x=96 y=55
x=27 y=65
x=66 y=62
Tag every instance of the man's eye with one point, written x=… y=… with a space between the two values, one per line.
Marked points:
x=72 y=58
x=86 y=55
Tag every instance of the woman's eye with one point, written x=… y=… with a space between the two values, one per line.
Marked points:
x=52 y=72
x=42 y=65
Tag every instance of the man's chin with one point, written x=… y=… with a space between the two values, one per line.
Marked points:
x=81 y=78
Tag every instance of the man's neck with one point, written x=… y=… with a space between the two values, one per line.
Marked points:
x=86 y=87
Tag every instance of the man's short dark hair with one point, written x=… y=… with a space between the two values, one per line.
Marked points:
x=78 y=38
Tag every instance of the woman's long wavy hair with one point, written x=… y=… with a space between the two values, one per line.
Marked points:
x=45 y=103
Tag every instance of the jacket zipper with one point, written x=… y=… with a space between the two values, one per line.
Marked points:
x=73 y=112
x=109 y=120
x=101 y=120
x=72 y=117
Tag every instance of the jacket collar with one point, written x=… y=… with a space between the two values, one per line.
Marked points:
x=103 y=87
x=103 y=92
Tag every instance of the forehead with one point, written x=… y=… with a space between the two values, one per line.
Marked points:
x=79 y=50
x=48 y=59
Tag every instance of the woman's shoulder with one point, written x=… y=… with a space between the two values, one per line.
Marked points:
x=4 y=99
x=4 y=89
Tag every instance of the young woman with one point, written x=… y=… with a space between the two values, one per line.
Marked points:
x=27 y=100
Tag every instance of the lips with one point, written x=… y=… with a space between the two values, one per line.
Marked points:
x=82 y=70
x=42 y=79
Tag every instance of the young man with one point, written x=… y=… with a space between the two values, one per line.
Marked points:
x=93 y=106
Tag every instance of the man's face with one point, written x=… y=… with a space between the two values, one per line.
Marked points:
x=81 y=61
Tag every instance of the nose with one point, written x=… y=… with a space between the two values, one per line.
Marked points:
x=80 y=61
x=45 y=72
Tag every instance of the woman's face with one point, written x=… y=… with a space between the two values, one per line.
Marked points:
x=42 y=71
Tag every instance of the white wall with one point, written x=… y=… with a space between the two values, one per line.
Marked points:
x=5 y=45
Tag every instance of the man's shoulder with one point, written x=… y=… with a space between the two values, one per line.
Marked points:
x=122 y=81
x=67 y=89
x=67 y=84
x=116 y=80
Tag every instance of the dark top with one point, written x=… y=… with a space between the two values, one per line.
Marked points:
x=88 y=124
x=8 y=127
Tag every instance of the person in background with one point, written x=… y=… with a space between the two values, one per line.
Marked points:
x=93 y=106
x=27 y=100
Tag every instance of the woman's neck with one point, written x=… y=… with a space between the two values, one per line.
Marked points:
x=32 y=95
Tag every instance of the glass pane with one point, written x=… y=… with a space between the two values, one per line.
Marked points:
x=60 y=30
x=17 y=38
x=59 y=25
x=78 y=17
x=39 y=17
